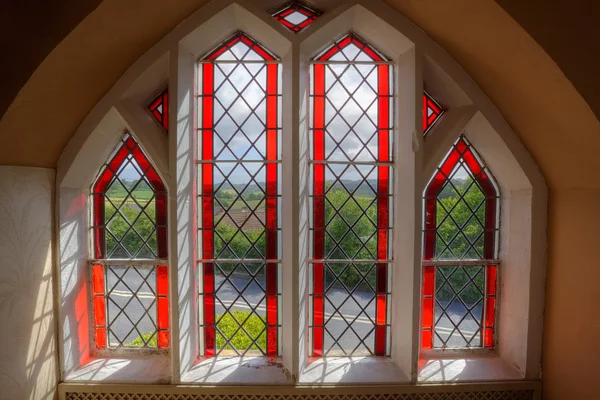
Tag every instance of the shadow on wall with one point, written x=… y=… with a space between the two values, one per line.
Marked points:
x=28 y=362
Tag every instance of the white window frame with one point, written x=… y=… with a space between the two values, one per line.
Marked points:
x=419 y=62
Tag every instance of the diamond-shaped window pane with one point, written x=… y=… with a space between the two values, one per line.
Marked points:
x=296 y=17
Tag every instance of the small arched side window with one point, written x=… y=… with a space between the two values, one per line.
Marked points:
x=351 y=199
x=129 y=270
x=239 y=204
x=460 y=253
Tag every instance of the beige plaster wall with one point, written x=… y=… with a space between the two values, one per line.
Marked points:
x=528 y=87
x=28 y=359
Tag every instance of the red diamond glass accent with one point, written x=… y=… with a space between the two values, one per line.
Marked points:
x=129 y=214
x=296 y=17
x=461 y=210
x=432 y=112
x=159 y=109
x=351 y=172
x=239 y=199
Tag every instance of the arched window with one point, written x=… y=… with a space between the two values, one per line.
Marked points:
x=351 y=166
x=460 y=253
x=239 y=206
x=129 y=272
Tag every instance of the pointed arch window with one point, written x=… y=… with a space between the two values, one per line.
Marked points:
x=239 y=100
x=460 y=253
x=129 y=270
x=296 y=17
x=160 y=109
x=351 y=200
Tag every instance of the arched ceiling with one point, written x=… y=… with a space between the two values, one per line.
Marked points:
x=515 y=72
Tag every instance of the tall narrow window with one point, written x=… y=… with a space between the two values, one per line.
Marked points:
x=460 y=251
x=239 y=199
x=129 y=272
x=351 y=193
x=160 y=109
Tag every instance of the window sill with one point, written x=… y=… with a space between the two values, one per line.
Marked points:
x=149 y=369
x=352 y=370
x=239 y=371
x=465 y=369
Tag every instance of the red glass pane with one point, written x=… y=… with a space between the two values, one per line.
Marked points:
x=490 y=311
x=428 y=280
x=491 y=280
x=489 y=337
x=99 y=310
x=163 y=339
x=98 y=279
x=296 y=17
x=163 y=313
x=426 y=339
x=101 y=338
x=380 y=340
x=162 y=280
x=427 y=317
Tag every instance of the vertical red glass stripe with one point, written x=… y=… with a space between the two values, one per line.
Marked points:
x=490 y=305
x=162 y=309
x=383 y=191
x=428 y=308
x=163 y=313
x=271 y=210
x=162 y=280
x=98 y=291
x=318 y=208
x=208 y=208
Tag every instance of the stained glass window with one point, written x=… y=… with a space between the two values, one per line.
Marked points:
x=296 y=17
x=129 y=272
x=239 y=208
x=460 y=253
x=432 y=112
x=350 y=199
x=160 y=109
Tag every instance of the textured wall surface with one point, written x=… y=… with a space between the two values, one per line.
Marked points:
x=28 y=364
